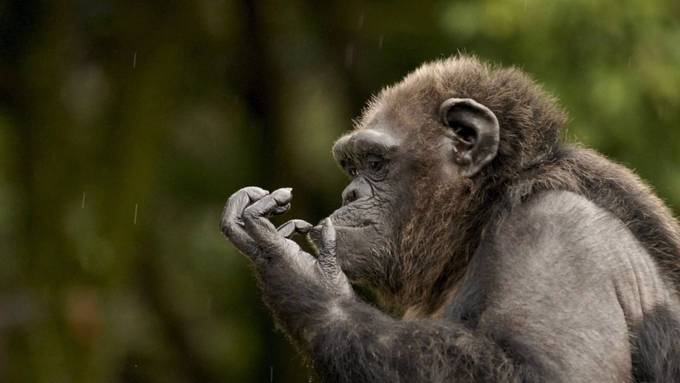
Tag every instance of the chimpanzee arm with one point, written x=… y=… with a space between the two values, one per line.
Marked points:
x=538 y=303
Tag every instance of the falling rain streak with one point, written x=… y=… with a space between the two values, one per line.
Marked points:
x=349 y=55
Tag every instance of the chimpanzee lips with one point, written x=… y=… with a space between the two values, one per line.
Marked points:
x=314 y=233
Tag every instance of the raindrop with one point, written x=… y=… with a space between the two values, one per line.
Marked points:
x=349 y=55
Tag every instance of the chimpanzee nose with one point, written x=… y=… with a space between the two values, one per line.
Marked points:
x=358 y=188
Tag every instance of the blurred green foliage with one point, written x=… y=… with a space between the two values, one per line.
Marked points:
x=124 y=125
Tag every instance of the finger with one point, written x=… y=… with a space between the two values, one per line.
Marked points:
x=231 y=222
x=295 y=226
x=258 y=226
x=327 y=259
x=236 y=204
x=269 y=204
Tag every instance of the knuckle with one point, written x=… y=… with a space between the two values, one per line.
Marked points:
x=233 y=197
x=254 y=192
x=250 y=213
x=227 y=228
x=247 y=191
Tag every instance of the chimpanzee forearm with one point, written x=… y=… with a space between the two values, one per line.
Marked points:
x=298 y=304
x=357 y=343
x=348 y=340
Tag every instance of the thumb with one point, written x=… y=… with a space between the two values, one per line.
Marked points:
x=327 y=259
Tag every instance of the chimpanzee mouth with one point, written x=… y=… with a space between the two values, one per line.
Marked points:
x=315 y=232
x=348 y=225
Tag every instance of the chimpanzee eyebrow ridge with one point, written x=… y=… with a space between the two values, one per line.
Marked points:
x=364 y=142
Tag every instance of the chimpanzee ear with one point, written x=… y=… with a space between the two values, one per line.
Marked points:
x=475 y=130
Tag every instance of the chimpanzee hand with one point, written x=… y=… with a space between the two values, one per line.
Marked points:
x=245 y=223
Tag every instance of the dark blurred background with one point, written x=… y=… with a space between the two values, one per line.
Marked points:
x=125 y=125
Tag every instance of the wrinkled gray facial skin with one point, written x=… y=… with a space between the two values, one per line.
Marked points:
x=385 y=159
x=374 y=203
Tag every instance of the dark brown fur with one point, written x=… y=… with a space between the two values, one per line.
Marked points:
x=473 y=260
x=532 y=158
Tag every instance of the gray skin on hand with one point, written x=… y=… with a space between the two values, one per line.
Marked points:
x=245 y=222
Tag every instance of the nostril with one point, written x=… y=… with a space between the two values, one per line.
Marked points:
x=349 y=196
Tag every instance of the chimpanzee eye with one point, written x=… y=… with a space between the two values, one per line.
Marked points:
x=348 y=167
x=376 y=164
